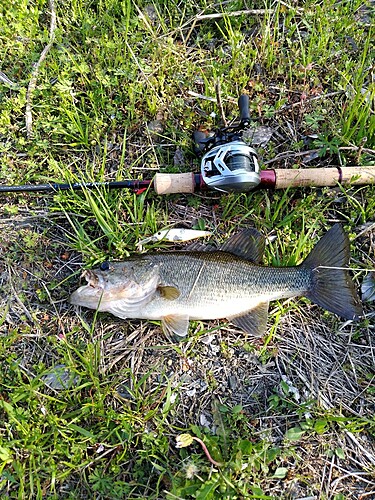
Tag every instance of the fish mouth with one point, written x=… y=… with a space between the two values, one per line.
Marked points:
x=96 y=294
x=89 y=294
x=91 y=278
x=122 y=290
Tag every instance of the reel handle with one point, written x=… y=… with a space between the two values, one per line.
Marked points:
x=243 y=104
x=200 y=141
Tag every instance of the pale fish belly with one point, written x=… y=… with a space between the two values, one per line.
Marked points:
x=205 y=308
x=156 y=310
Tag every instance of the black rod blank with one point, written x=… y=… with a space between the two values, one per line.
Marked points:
x=54 y=187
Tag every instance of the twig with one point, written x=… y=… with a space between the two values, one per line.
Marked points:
x=315 y=98
x=134 y=57
x=201 y=96
x=7 y=81
x=363 y=495
x=34 y=74
x=369 y=227
x=358 y=475
x=292 y=154
x=288 y=6
x=360 y=149
x=219 y=15
x=330 y=475
x=326 y=405
x=18 y=300
x=356 y=148
x=369 y=455
x=202 y=17
x=207 y=453
x=219 y=102
x=99 y=457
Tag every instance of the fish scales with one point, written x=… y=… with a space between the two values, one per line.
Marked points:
x=208 y=281
x=176 y=287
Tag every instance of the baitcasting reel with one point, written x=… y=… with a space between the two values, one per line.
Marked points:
x=228 y=163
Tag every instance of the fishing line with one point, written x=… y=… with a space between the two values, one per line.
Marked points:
x=346 y=269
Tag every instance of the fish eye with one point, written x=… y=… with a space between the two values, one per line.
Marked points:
x=104 y=266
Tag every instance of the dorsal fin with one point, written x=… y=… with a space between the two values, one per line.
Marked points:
x=197 y=246
x=248 y=244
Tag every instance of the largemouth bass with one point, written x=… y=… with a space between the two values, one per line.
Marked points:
x=230 y=282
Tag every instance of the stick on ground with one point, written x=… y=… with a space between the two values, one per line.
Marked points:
x=34 y=74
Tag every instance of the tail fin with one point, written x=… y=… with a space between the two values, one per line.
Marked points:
x=333 y=288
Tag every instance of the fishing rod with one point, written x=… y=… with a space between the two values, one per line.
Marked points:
x=228 y=164
x=191 y=183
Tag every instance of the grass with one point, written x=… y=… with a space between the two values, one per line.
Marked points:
x=93 y=406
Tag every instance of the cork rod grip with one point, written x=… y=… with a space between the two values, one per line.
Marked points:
x=355 y=176
x=174 y=183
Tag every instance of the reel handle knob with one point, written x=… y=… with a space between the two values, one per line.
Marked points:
x=243 y=104
x=200 y=141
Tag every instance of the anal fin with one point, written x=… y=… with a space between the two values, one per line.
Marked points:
x=254 y=321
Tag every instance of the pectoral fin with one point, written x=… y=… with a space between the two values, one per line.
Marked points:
x=253 y=322
x=176 y=324
x=169 y=292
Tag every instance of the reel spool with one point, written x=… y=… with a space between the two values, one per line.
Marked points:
x=231 y=167
x=228 y=164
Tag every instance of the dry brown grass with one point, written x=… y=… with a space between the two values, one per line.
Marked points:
x=325 y=366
